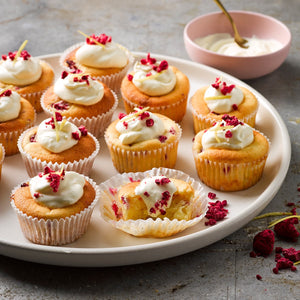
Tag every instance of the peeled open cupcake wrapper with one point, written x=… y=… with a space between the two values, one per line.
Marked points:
x=113 y=81
x=96 y=125
x=34 y=165
x=58 y=231
x=150 y=227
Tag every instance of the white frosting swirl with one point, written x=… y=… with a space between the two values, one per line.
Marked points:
x=20 y=72
x=96 y=56
x=222 y=106
x=79 y=92
x=54 y=140
x=10 y=106
x=136 y=130
x=153 y=193
x=70 y=190
x=158 y=84
x=240 y=136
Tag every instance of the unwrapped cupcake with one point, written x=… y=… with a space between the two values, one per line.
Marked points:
x=55 y=207
x=27 y=75
x=210 y=103
x=82 y=100
x=16 y=116
x=142 y=140
x=156 y=203
x=100 y=57
x=231 y=155
x=155 y=84
x=58 y=143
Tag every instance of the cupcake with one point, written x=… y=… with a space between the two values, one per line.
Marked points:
x=100 y=57
x=58 y=143
x=231 y=155
x=142 y=140
x=82 y=100
x=16 y=116
x=156 y=203
x=26 y=75
x=55 y=208
x=2 y=155
x=210 y=103
x=162 y=88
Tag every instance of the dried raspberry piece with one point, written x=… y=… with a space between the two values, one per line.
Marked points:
x=234 y=107
x=216 y=212
x=6 y=93
x=263 y=242
x=83 y=130
x=121 y=116
x=75 y=135
x=225 y=89
x=286 y=229
x=211 y=195
x=258 y=277
x=149 y=122
x=144 y=115
x=129 y=77
x=36 y=195
x=113 y=191
x=162 y=138
x=24 y=184
x=228 y=134
x=61 y=105
x=291 y=254
x=64 y=74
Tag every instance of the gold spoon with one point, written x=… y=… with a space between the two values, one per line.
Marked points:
x=237 y=38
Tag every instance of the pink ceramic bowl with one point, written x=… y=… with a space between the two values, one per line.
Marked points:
x=249 y=24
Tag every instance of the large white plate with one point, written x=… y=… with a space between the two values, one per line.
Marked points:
x=103 y=245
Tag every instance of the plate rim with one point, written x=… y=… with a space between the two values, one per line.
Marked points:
x=271 y=190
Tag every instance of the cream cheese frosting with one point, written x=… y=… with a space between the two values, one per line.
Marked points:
x=57 y=189
x=157 y=193
x=152 y=79
x=222 y=98
x=57 y=136
x=20 y=71
x=139 y=126
x=108 y=55
x=228 y=134
x=78 y=89
x=10 y=105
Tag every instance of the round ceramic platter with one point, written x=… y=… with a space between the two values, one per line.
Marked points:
x=103 y=245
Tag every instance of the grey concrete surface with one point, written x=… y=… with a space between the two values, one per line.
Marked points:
x=222 y=270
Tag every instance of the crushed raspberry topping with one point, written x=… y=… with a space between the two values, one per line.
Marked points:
x=75 y=135
x=172 y=130
x=32 y=138
x=228 y=134
x=162 y=138
x=11 y=55
x=163 y=65
x=149 y=122
x=231 y=120
x=102 y=39
x=6 y=93
x=286 y=229
x=234 y=107
x=54 y=178
x=83 y=130
x=51 y=122
x=122 y=115
x=24 y=184
x=130 y=77
x=146 y=194
x=263 y=242
x=211 y=195
x=36 y=195
x=113 y=191
x=224 y=88
x=162 y=181
x=144 y=115
x=72 y=65
x=61 y=105
x=216 y=212
x=64 y=74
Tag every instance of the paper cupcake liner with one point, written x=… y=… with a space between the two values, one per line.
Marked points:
x=202 y=122
x=139 y=161
x=96 y=125
x=34 y=165
x=34 y=98
x=174 y=111
x=9 y=140
x=2 y=159
x=58 y=231
x=150 y=227
x=230 y=177
x=113 y=81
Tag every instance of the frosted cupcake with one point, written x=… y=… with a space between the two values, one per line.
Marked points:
x=2 y=155
x=231 y=155
x=16 y=116
x=58 y=143
x=209 y=103
x=156 y=203
x=155 y=84
x=100 y=57
x=142 y=140
x=82 y=100
x=54 y=208
x=27 y=75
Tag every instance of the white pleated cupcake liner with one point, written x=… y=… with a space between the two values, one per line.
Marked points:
x=230 y=177
x=150 y=228
x=34 y=98
x=166 y=110
x=113 y=81
x=96 y=125
x=9 y=140
x=2 y=158
x=58 y=231
x=34 y=165
x=137 y=161
x=202 y=122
